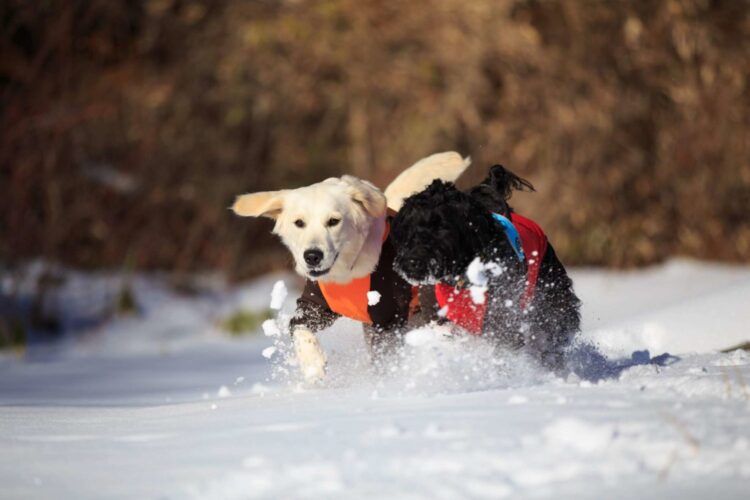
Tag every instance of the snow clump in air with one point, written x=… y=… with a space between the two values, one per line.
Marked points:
x=268 y=352
x=278 y=295
x=373 y=298
x=478 y=273
x=271 y=328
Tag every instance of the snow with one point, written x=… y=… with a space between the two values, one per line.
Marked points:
x=373 y=298
x=680 y=307
x=578 y=435
x=166 y=406
x=268 y=352
x=476 y=273
x=278 y=295
x=271 y=328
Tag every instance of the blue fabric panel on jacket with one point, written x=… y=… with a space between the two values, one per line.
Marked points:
x=512 y=233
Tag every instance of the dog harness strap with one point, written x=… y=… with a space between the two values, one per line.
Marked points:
x=512 y=233
x=534 y=243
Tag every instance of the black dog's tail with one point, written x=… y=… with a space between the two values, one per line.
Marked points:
x=495 y=190
x=504 y=182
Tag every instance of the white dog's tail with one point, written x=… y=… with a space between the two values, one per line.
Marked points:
x=444 y=166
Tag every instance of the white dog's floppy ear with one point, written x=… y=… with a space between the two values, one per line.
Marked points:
x=265 y=204
x=367 y=195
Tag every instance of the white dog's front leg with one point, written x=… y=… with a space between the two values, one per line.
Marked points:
x=311 y=358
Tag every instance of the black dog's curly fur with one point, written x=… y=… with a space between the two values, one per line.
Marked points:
x=439 y=231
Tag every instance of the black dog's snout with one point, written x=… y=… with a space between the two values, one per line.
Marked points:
x=313 y=256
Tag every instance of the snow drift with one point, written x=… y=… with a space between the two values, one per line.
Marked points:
x=166 y=406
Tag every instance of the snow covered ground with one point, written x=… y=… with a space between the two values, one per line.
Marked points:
x=164 y=406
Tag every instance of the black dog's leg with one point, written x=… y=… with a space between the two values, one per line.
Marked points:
x=502 y=321
x=428 y=308
x=555 y=313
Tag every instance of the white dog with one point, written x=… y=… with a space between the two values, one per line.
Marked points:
x=337 y=232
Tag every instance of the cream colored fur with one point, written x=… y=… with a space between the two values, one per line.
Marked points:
x=351 y=249
x=311 y=358
x=446 y=166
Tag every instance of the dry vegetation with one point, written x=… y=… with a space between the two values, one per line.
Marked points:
x=127 y=127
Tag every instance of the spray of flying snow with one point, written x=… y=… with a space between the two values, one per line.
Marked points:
x=373 y=298
x=223 y=392
x=281 y=352
x=478 y=294
x=268 y=352
x=443 y=359
x=271 y=328
x=478 y=278
x=435 y=359
x=478 y=273
x=278 y=295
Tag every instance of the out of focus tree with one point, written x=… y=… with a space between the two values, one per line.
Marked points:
x=127 y=127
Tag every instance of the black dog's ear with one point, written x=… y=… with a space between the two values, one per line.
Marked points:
x=503 y=181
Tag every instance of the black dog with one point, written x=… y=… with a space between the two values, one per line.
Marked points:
x=530 y=301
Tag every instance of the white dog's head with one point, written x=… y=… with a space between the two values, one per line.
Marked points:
x=334 y=228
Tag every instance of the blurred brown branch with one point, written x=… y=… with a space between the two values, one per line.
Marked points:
x=127 y=127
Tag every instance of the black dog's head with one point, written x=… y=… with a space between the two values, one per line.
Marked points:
x=439 y=231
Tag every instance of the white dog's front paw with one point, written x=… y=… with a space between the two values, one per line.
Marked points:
x=311 y=359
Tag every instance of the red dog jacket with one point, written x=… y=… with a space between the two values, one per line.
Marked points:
x=457 y=302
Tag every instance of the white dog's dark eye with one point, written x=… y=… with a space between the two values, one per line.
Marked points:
x=299 y=223
x=333 y=222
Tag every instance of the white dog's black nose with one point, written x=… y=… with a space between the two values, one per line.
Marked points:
x=313 y=256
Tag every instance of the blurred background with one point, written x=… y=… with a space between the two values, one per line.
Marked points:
x=127 y=127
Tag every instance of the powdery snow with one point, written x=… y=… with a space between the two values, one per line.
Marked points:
x=268 y=352
x=477 y=274
x=278 y=295
x=132 y=409
x=373 y=298
x=271 y=328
